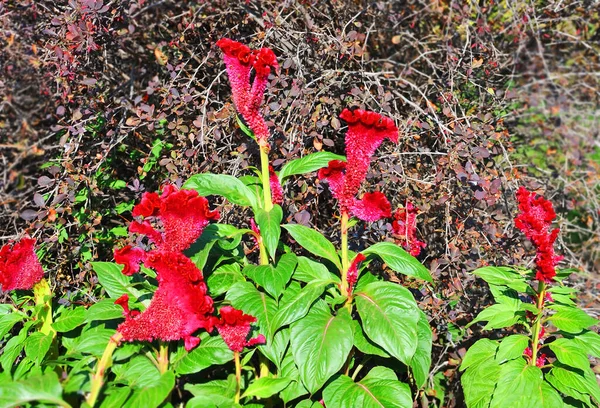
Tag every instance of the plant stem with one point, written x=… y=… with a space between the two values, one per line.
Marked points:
x=105 y=361
x=163 y=357
x=344 y=227
x=43 y=297
x=238 y=376
x=264 y=257
x=538 y=322
x=264 y=168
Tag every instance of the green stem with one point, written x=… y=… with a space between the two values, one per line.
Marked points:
x=344 y=227
x=163 y=357
x=538 y=322
x=264 y=257
x=43 y=297
x=238 y=376
x=264 y=168
x=105 y=361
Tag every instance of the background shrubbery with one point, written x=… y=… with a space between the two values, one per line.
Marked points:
x=103 y=101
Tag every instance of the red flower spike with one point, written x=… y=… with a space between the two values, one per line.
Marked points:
x=366 y=131
x=352 y=275
x=404 y=227
x=541 y=360
x=276 y=190
x=527 y=352
x=180 y=305
x=234 y=327
x=238 y=60
x=145 y=228
x=20 y=267
x=130 y=258
x=148 y=206
x=534 y=220
x=123 y=301
x=372 y=207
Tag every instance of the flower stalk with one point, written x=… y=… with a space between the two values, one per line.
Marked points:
x=163 y=357
x=43 y=298
x=238 y=375
x=105 y=361
x=345 y=264
x=264 y=168
x=538 y=322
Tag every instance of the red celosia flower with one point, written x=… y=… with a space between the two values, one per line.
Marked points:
x=276 y=190
x=534 y=220
x=248 y=96
x=234 y=327
x=123 y=301
x=180 y=305
x=130 y=257
x=19 y=265
x=541 y=360
x=352 y=275
x=405 y=227
x=366 y=131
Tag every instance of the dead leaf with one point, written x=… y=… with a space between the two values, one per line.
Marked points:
x=476 y=63
x=160 y=56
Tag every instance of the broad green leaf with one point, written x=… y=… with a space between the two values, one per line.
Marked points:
x=519 y=386
x=265 y=387
x=421 y=360
x=575 y=382
x=550 y=398
x=504 y=276
x=365 y=345
x=479 y=353
x=308 y=404
x=383 y=373
x=37 y=345
x=314 y=242
x=105 y=309
x=114 y=282
x=115 y=397
x=320 y=344
x=512 y=347
x=223 y=185
x=309 y=270
x=211 y=351
x=570 y=353
x=572 y=319
x=275 y=349
x=153 y=395
x=36 y=388
x=269 y=223
x=297 y=307
x=273 y=278
x=92 y=341
x=216 y=393
x=139 y=372
x=244 y=296
x=500 y=315
x=589 y=341
x=479 y=382
x=307 y=164
x=69 y=319
x=368 y=393
x=399 y=260
x=389 y=317
x=223 y=278
x=244 y=127
x=290 y=371
x=7 y=322
x=11 y=350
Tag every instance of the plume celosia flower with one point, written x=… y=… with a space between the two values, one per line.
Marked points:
x=248 y=95
x=234 y=327
x=130 y=258
x=352 y=276
x=366 y=131
x=535 y=220
x=276 y=190
x=180 y=305
x=405 y=227
x=19 y=265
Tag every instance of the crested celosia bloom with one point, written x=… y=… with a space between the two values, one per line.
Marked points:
x=366 y=131
x=352 y=276
x=276 y=190
x=19 y=265
x=404 y=227
x=234 y=327
x=248 y=95
x=535 y=220
x=180 y=305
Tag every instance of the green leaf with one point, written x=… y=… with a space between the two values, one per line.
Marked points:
x=570 y=353
x=152 y=396
x=273 y=278
x=589 y=341
x=479 y=353
x=269 y=223
x=114 y=282
x=211 y=351
x=115 y=397
x=12 y=349
x=368 y=393
x=139 y=372
x=519 y=386
x=223 y=185
x=105 y=309
x=297 y=307
x=223 y=278
x=383 y=373
x=574 y=383
x=243 y=127
x=421 y=360
x=320 y=344
x=479 y=380
x=309 y=270
x=37 y=345
x=290 y=371
x=307 y=164
x=216 y=393
x=7 y=322
x=265 y=387
x=503 y=276
x=314 y=242
x=550 y=398
x=399 y=260
x=500 y=315
x=36 y=388
x=365 y=345
x=244 y=296
x=275 y=349
x=572 y=319
x=389 y=317
x=69 y=319
x=512 y=347
x=92 y=341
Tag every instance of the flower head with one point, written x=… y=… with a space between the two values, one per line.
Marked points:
x=352 y=276
x=276 y=190
x=248 y=95
x=234 y=327
x=535 y=220
x=20 y=267
x=404 y=227
x=366 y=131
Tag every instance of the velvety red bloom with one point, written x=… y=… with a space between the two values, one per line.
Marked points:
x=130 y=258
x=535 y=220
x=541 y=360
x=404 y=227
x=366 y=131
x=123 y=301
x=352 y=275
x=276 y=190
x=180 y=305
x=248 y=95
x=19 y=265
x=234 y=327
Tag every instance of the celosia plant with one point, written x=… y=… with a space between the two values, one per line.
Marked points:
x=547 y=365
x=404 y=227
